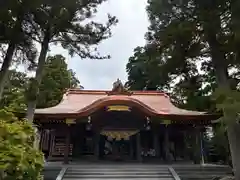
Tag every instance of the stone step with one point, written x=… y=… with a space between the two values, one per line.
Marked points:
x=198 y=177
x=118 y=172
x=107 y=176
x=120 y=167
x=202 y=173
x=122 y=178
x=204 y=168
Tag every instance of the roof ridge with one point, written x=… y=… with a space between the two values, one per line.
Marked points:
x=83 y=91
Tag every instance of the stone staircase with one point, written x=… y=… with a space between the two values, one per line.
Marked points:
x=198 y=172
x=118 y=172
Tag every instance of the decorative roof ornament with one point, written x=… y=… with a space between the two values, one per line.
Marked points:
x=119 y=89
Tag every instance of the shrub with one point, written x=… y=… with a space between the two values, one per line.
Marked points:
x=19 y=160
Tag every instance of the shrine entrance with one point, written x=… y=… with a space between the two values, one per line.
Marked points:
x=118 y=127
x=118 y=145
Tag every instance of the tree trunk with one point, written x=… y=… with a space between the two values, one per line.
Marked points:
x=5 y=66
x=233 y=128
x=233 y=131
x=38 y=77
x=10 y=51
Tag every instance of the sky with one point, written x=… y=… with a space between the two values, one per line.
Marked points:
x=126 y=35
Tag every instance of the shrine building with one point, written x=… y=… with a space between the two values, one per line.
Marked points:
x=121 y=125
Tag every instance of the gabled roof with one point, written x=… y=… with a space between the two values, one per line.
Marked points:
x=84 y=102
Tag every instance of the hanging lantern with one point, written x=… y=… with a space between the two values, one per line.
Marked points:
x=89 y=119
x=89 y=124
x=148 y=120
x=147 y=125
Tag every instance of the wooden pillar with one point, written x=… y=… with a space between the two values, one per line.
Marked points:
x=52 y=143
x=185 y=146
x=166 y=144
x=202 y=147
x=156 y=143
x=197 y=146
x=96 y=145
x=139 y=148
x=131 y=147
x=41 y=141
x=67 y=145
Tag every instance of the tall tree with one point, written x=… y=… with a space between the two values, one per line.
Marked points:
x=65 y=22
x=14 y=34
x=189 y=32
x=56 y=80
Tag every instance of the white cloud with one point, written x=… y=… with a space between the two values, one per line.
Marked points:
x=129 y=33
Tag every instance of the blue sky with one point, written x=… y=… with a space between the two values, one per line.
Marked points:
x=129 y=33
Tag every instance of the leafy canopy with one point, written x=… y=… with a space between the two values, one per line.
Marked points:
x=178 y=55
x=71 y=24
x=19 y=160
x=56 y=80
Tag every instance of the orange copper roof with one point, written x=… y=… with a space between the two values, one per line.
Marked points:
x=85 y=102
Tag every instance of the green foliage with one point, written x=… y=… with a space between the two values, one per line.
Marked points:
x=183 y=36
x=14 y=16
x=66 y=23
x=168 y=61
x=13 y=94
x=55 y=81
x=19 y=160
x=185 y=86
x=220 y=143
x=144 y=73
x=228 y=101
